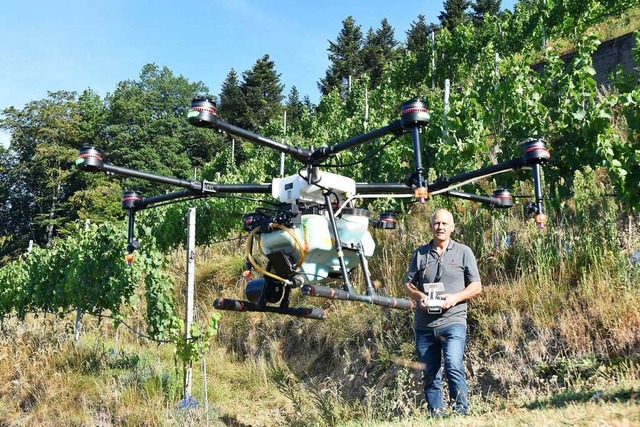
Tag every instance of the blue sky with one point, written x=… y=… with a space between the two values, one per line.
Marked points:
x=74 y=45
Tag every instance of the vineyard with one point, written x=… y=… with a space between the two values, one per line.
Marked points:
x=484 y=98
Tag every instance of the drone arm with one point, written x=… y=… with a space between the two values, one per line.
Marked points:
x=383 y=188
x=417 y=158
x=133 y=173
x=296 y=152
x=323 y=153
x=204 y=114
x=497 y=202
x=90 y=159
x=161 y=198
x=443 y=183
x=537 y=191
x=535 y=153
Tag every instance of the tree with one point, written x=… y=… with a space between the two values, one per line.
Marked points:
x=37 y=168
x=455 y=12
x=379 y=49
x=295 y=110
x=418 y=34
x=262 y=93
x=482 y=8
x=344 y=55
x=93 y=197
x=8 y=223
x=147 y=127
x=232 y=107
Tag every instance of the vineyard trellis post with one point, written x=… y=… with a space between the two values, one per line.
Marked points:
x=432 y=36
x=77 y=327
x=445 y=109
x=190 y=218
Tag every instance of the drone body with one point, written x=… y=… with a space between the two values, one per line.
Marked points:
x=316 y=234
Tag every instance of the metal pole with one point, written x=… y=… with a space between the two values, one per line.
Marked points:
x=366 y=109
x=190 y=248
x=446 y=108
x=233 y=150
x=432 y=36
x=284 y=127
x=78 y=325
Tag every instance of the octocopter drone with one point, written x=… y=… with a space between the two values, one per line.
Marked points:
x=317 y=234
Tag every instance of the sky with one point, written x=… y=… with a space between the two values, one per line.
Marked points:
x=76 y=45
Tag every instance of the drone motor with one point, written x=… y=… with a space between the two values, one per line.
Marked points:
x=203 y=113
x=414 y=113
x=89 y=159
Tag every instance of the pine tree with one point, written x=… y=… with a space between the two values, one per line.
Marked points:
x=454 y=13
x=418 y=34
x=295 y=110
x=344 y=55
x=482 y=8
x=309 y=107
x=232 y=107
x=379 y=49
x=262 y=93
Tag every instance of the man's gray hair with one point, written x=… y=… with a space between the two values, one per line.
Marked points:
x=433 y=215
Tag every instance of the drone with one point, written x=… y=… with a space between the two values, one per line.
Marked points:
x=317 y=234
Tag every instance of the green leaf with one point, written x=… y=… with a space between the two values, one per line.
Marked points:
x=579 y=115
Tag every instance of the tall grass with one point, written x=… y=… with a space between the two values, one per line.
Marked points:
x=555 y=300
x=555 y=330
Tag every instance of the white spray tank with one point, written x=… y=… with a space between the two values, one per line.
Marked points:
x=314 y=236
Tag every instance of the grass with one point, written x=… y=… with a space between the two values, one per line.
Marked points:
x=553 y=340
x=611 y=28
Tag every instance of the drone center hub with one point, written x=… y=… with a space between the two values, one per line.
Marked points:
x=299 y=187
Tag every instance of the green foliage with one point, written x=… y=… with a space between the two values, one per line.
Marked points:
x=38 y=180
x=454 y=13
x=295 y=111
x=146 y=127
x=378 y=50
x=84 y=271
x=262 y=93
x=233 y=107
x=199 y=342
x=418 y=35
x=482 y=9
x=344 y=55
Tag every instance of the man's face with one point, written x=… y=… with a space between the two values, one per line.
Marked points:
x=442 y=226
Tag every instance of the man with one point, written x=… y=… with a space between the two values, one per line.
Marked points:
x=442 y=336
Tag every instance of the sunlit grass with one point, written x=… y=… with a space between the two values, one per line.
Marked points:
x=553 y=339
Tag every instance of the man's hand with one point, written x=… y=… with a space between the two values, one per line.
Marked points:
x=449 y=300
x=413 y=292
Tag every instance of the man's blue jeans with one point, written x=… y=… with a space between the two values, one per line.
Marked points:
x=433 y=346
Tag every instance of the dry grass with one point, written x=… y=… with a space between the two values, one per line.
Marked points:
x=553 y=340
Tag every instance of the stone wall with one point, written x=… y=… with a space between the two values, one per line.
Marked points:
x=610 y=55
